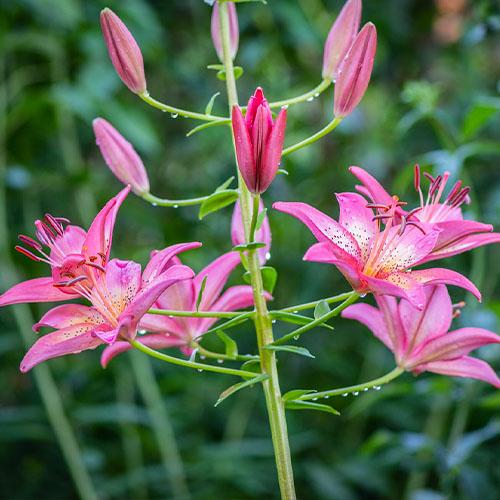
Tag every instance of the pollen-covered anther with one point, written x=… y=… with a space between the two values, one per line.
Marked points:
x=27 y=253
x=54 y=224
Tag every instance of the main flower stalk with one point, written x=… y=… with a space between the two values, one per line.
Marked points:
x=262 y=319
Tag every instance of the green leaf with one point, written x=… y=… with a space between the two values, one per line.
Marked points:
x=216 y=201
x=217 y=67
x=478 y=116
x=221 y=72
x=296 y=319
x=269 y=278
x=249 y=246
x=240 y=385
x=210 y=105
x=321 y=309
x=296 y=393
x=260 y=219
x=225 y=184
x=231 y=345
x=252 y=365
x=282 y=171
x=302 y=351
x=247 y=278
x=200 y=293
x=309 y=405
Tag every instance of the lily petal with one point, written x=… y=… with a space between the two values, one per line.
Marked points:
x=217 y=273
x=244 y=150
x=377 y=193
x=163 y=259
x=398 y=285
x=434 y=319
x=372 y=318
x=464 y=366
x=70 y=340
x=357 y=218
x=69 y=315
x=100 y=233
x=36 y=290
x=452 y=345
x=324 y=228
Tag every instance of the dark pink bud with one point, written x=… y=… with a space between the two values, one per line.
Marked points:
x=355 y=72
x=340 y=38
x=234 y=31
x=120 y=156
x=258 y=142
x=123 y=51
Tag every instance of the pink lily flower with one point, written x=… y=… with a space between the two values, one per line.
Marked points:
x=420 y=339
x=120 y=297
x=373 y=258
x=258 y=142
x=124 y=52
x=262 y=235
x=234 y=30
x=72 y=254
x=167 y=332
x=438 y=210
x=355 y=71
x=121 y=157
x=340 y=38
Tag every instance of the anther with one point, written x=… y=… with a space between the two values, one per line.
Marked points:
x=416 y=178
x=54 y=224
x=30 y=242
x=96 y=266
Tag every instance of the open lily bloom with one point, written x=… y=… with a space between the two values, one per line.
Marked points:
x=72 y=253
x=120 y=297
x=373 y=252
x=443 y=211
x=262 y=235
x=420 y=339
x=179 y=332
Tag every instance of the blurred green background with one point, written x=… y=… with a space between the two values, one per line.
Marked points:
x=434 y=98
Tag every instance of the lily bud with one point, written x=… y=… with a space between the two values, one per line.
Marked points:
x=340 y=38
x=234 y=31
x=258 y=142
x=123 y=51
x=262 y=235
x=121 y=157
x=355 y=72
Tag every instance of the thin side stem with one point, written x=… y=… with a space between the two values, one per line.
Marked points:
x=308 y=96
x=318 y=135
x=191 y=364
x=164 y=202
x=375 y=383
x=311 y=305
x=262 y=320
x=353 y=297
x=161 y=423
x=178 y=111
x=196 y=314
x=216 y=355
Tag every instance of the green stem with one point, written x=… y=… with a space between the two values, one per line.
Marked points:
x=318 y=135
x=262 y=320
x=308 y=96
x=353 y=297
x=190 y=364
x=163 y=202
x=178 y=111
x=255 y=215
x=196 y=314
x=162 y=426
x=216 y=355
x=354 y=388
x=310 y=305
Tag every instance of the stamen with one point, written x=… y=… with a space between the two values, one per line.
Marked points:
x=28 y=254
x=376 y=206
x=30 y=242
x=435 y=185
x=454 y=190
x=62 y=284
x=96 y=266
x=460 y=197
x=417 y=225
x=411 y=213
x=429 y=176
x=54 y=224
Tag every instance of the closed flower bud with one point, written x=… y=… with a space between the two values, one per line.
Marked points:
x=123 y=51
x=340 y=38
x=120 y=156
x=355 y=72
x=234 y=32
x=258 y=142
